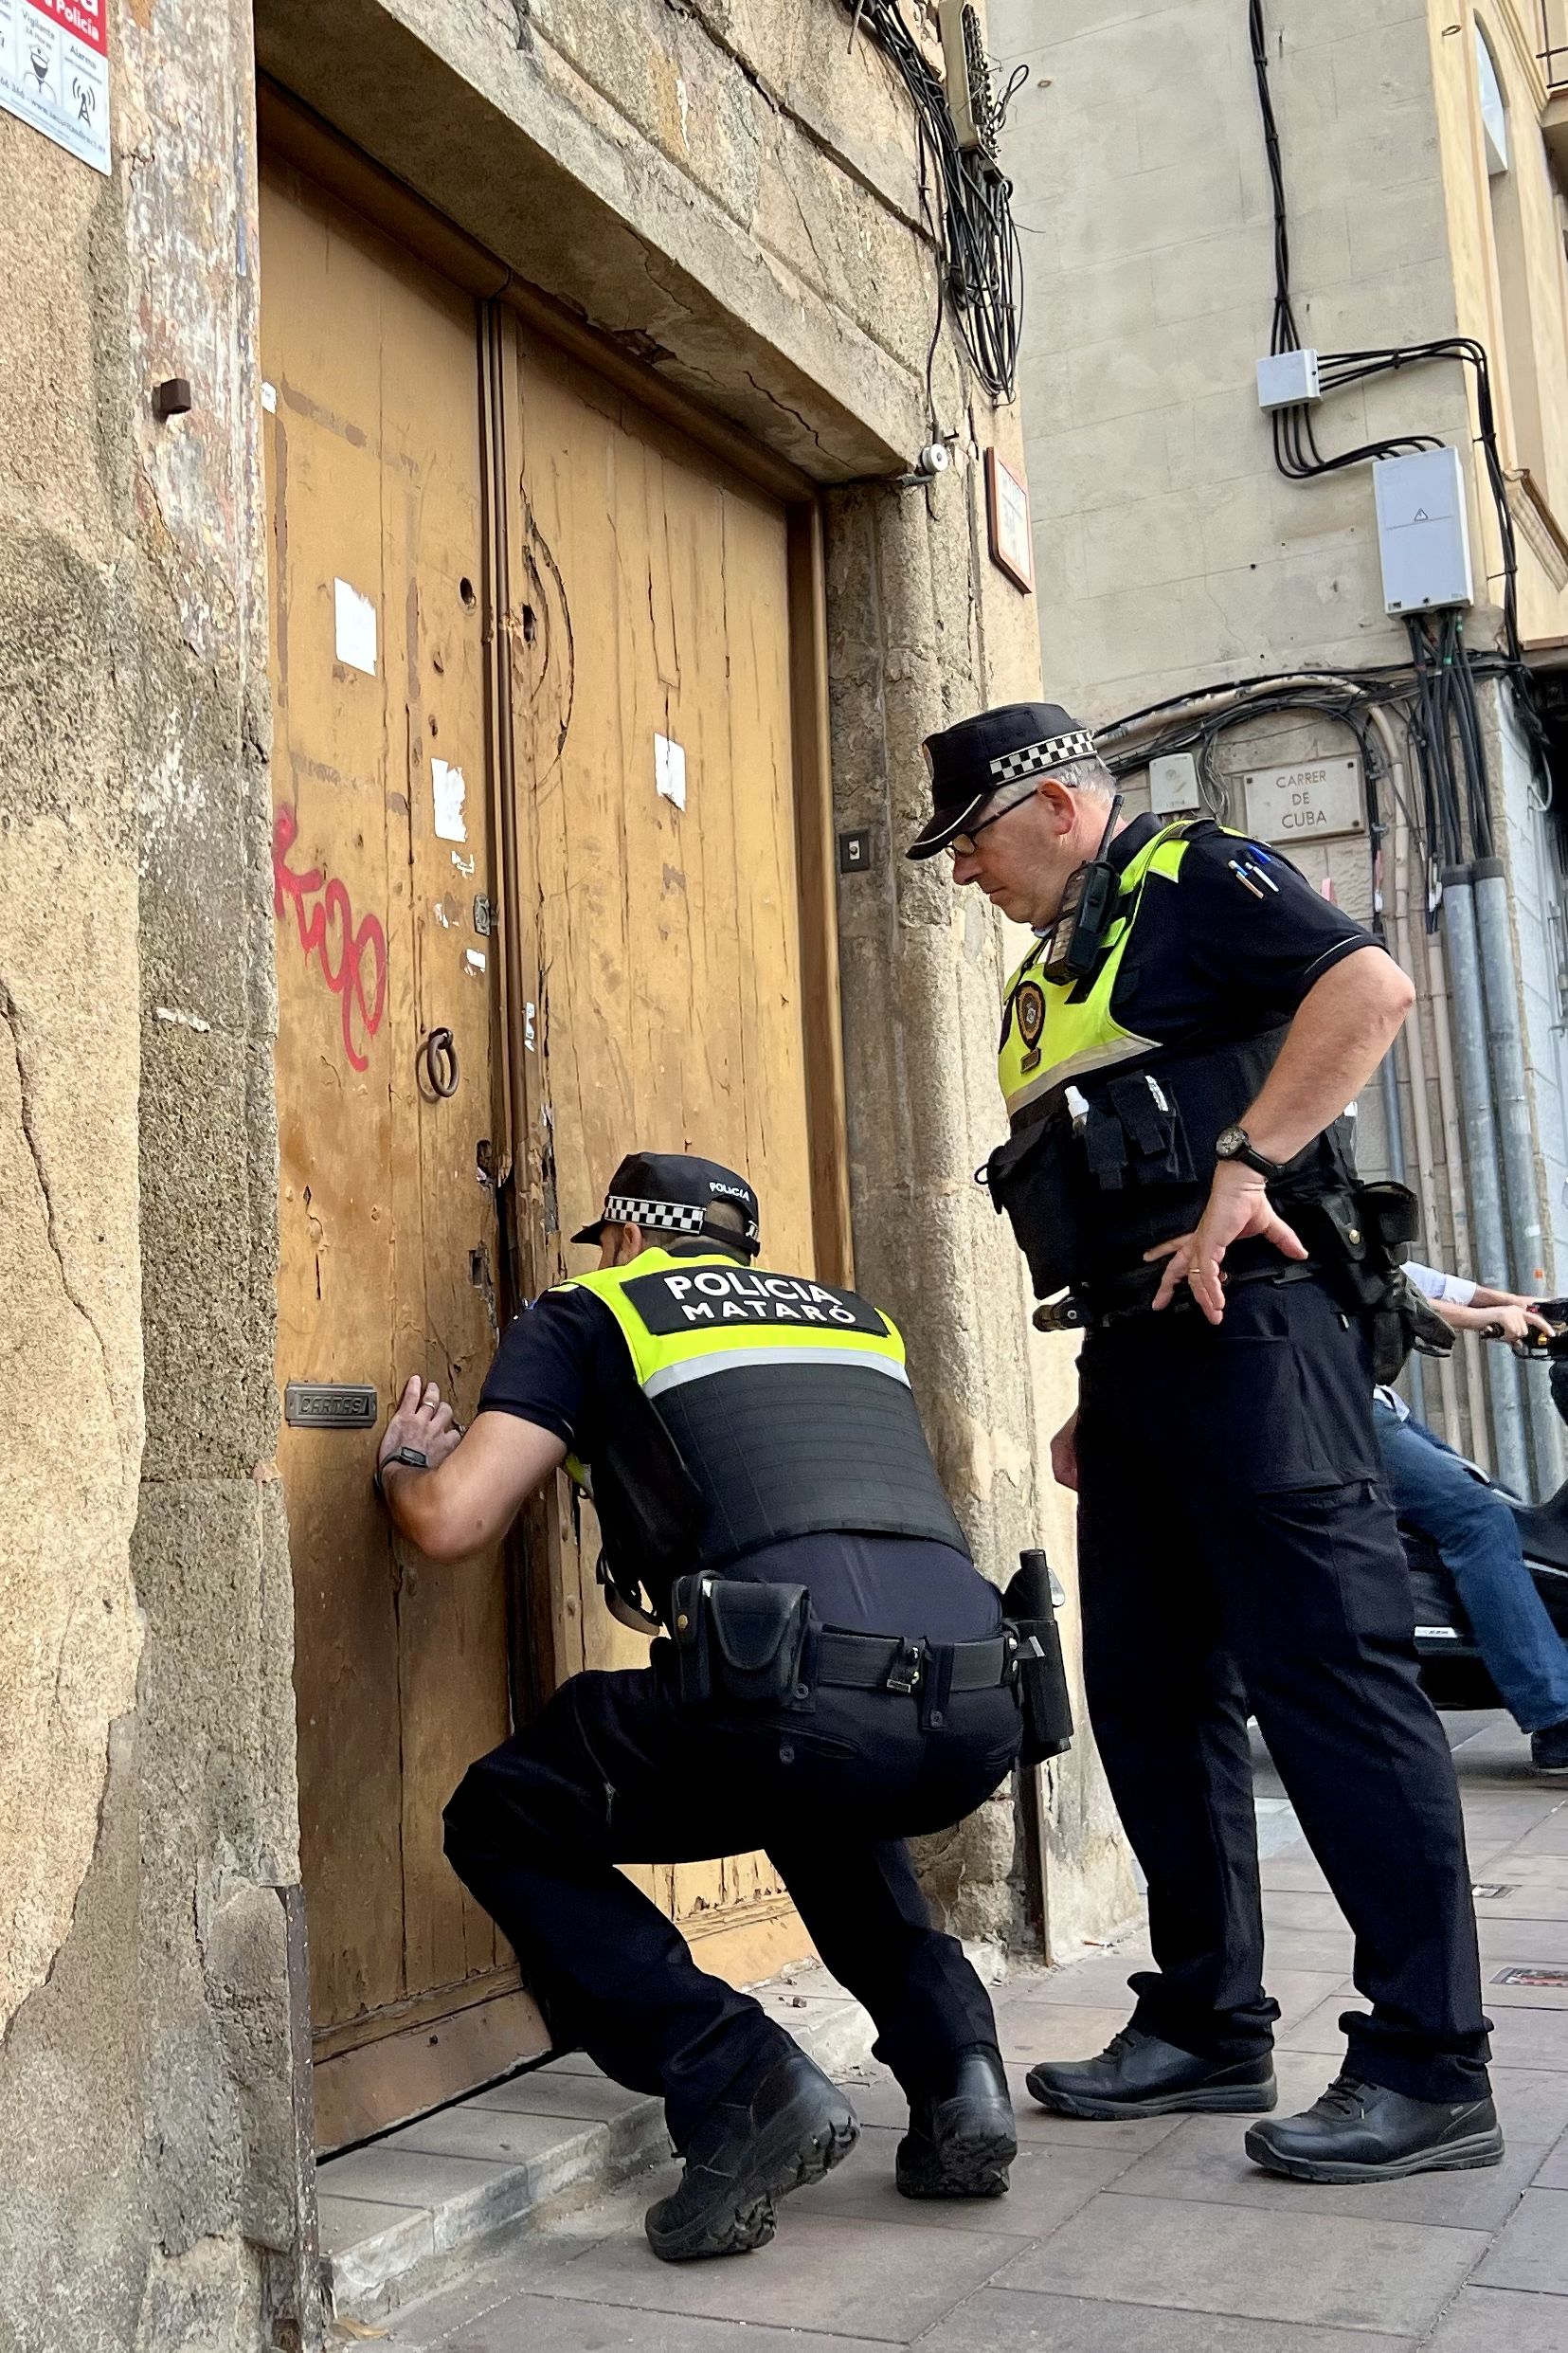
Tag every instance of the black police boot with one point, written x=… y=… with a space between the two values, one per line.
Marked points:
x=1137 y=2075
x=961 y=2138
x=1549 y=1749
x=1362 y=2132
x=781 y=2130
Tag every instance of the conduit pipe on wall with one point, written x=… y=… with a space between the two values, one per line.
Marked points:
x=1527 y=1244
x=1394 y=1126
x=1471 y=1351
x=1420 y=1099
x=1483 y=1163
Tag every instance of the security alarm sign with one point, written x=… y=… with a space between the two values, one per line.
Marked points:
x=54 y=72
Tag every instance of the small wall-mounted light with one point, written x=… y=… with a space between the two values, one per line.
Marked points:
x=171 y=398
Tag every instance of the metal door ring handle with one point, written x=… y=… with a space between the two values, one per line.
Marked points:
x=439 y=1056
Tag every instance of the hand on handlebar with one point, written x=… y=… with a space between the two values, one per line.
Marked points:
x=1518 y=1325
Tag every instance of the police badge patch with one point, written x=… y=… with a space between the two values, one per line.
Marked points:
x=1029 y=1005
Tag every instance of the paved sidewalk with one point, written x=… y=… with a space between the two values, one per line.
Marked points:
x=1138 y=2238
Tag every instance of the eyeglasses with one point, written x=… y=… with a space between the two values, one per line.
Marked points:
x=962 y=844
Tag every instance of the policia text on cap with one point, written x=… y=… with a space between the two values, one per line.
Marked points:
x=1176 y=1051
x=836 y=1675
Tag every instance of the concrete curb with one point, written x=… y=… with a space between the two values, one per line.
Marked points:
x=403 y=2216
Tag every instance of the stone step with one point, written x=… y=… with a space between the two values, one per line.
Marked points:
x=401 y=2216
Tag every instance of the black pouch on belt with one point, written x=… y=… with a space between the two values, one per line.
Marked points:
x=1029 y=1607
x=743 y=1643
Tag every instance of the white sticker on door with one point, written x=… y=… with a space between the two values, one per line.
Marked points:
x=449 y=792
x=669 y=770
x=355 y=618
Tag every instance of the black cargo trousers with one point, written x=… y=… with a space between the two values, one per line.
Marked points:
x=1237 y=1551
x=618 y=1769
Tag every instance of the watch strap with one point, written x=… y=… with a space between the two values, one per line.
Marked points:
x=408 y=1455
x=1250 y=1157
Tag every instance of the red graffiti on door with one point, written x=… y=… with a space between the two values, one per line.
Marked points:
x=358 y=948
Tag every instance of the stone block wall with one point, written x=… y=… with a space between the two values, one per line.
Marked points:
x=148 y=1810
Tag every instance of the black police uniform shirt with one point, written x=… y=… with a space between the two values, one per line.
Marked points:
x=1250 y=937
x=563 y=1363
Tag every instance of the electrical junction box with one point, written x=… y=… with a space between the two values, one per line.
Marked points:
x=1172 y=785
x=1287 y=380
x=971 y=98
x=1423 y=532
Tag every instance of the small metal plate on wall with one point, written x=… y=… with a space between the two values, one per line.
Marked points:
x=1553 y=1979
x=331 y=1405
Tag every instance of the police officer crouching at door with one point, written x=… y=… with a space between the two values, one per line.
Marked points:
x=836 y=1678
x=1176 y=1050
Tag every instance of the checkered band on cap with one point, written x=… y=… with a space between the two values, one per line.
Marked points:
x=666 y=1216
x=1039 y=759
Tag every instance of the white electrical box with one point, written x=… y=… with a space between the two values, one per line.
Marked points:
x=1172 y=785
x=1423 y=532
x=1287 y=380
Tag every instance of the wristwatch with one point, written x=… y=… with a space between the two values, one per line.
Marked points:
x=1235 y=1144
x=410 y=1454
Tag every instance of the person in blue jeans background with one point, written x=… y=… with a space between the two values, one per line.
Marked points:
x=1439 y=1493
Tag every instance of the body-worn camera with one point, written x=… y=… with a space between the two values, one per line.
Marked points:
x=1077 y=940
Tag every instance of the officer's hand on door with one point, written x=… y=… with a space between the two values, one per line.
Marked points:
x=1238 y=1207
x=424 y=1422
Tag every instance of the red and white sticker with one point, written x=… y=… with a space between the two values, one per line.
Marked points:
x=54 y=72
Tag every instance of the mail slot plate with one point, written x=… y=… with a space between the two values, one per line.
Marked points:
x=331 y=1405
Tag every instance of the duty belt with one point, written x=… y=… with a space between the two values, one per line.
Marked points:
x=880 y=1662
x=1110 y=1298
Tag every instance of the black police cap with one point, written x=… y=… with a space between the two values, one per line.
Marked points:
x=980 y=756
x=672 y=1193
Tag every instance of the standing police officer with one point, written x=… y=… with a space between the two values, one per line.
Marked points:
x=836 y=1679
x=1176 y=1051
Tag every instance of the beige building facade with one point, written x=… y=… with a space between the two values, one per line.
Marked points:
x=469 y=610
x=1196 y=603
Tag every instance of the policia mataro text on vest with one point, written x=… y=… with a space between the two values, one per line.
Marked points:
x=1177 y=1048
x=832 y=1676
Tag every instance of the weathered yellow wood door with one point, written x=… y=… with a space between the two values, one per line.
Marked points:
x=649 y=629
x=388 y=1105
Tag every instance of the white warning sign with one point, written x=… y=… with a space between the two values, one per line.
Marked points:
x=54 y=72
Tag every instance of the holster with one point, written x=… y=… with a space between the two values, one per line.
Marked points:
x=1362 y=1234
x=1406 y=1321
x=1029 y=1607
x=740 y=1644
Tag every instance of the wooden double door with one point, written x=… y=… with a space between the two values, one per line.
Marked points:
x=537 y=900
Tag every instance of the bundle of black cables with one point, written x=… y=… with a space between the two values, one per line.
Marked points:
x=979 y=255
x=1444 y=732
x=1433 y=701
x=1335 y=696
x=1443 y=664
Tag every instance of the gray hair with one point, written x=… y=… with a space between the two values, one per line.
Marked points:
x=1091 y=776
